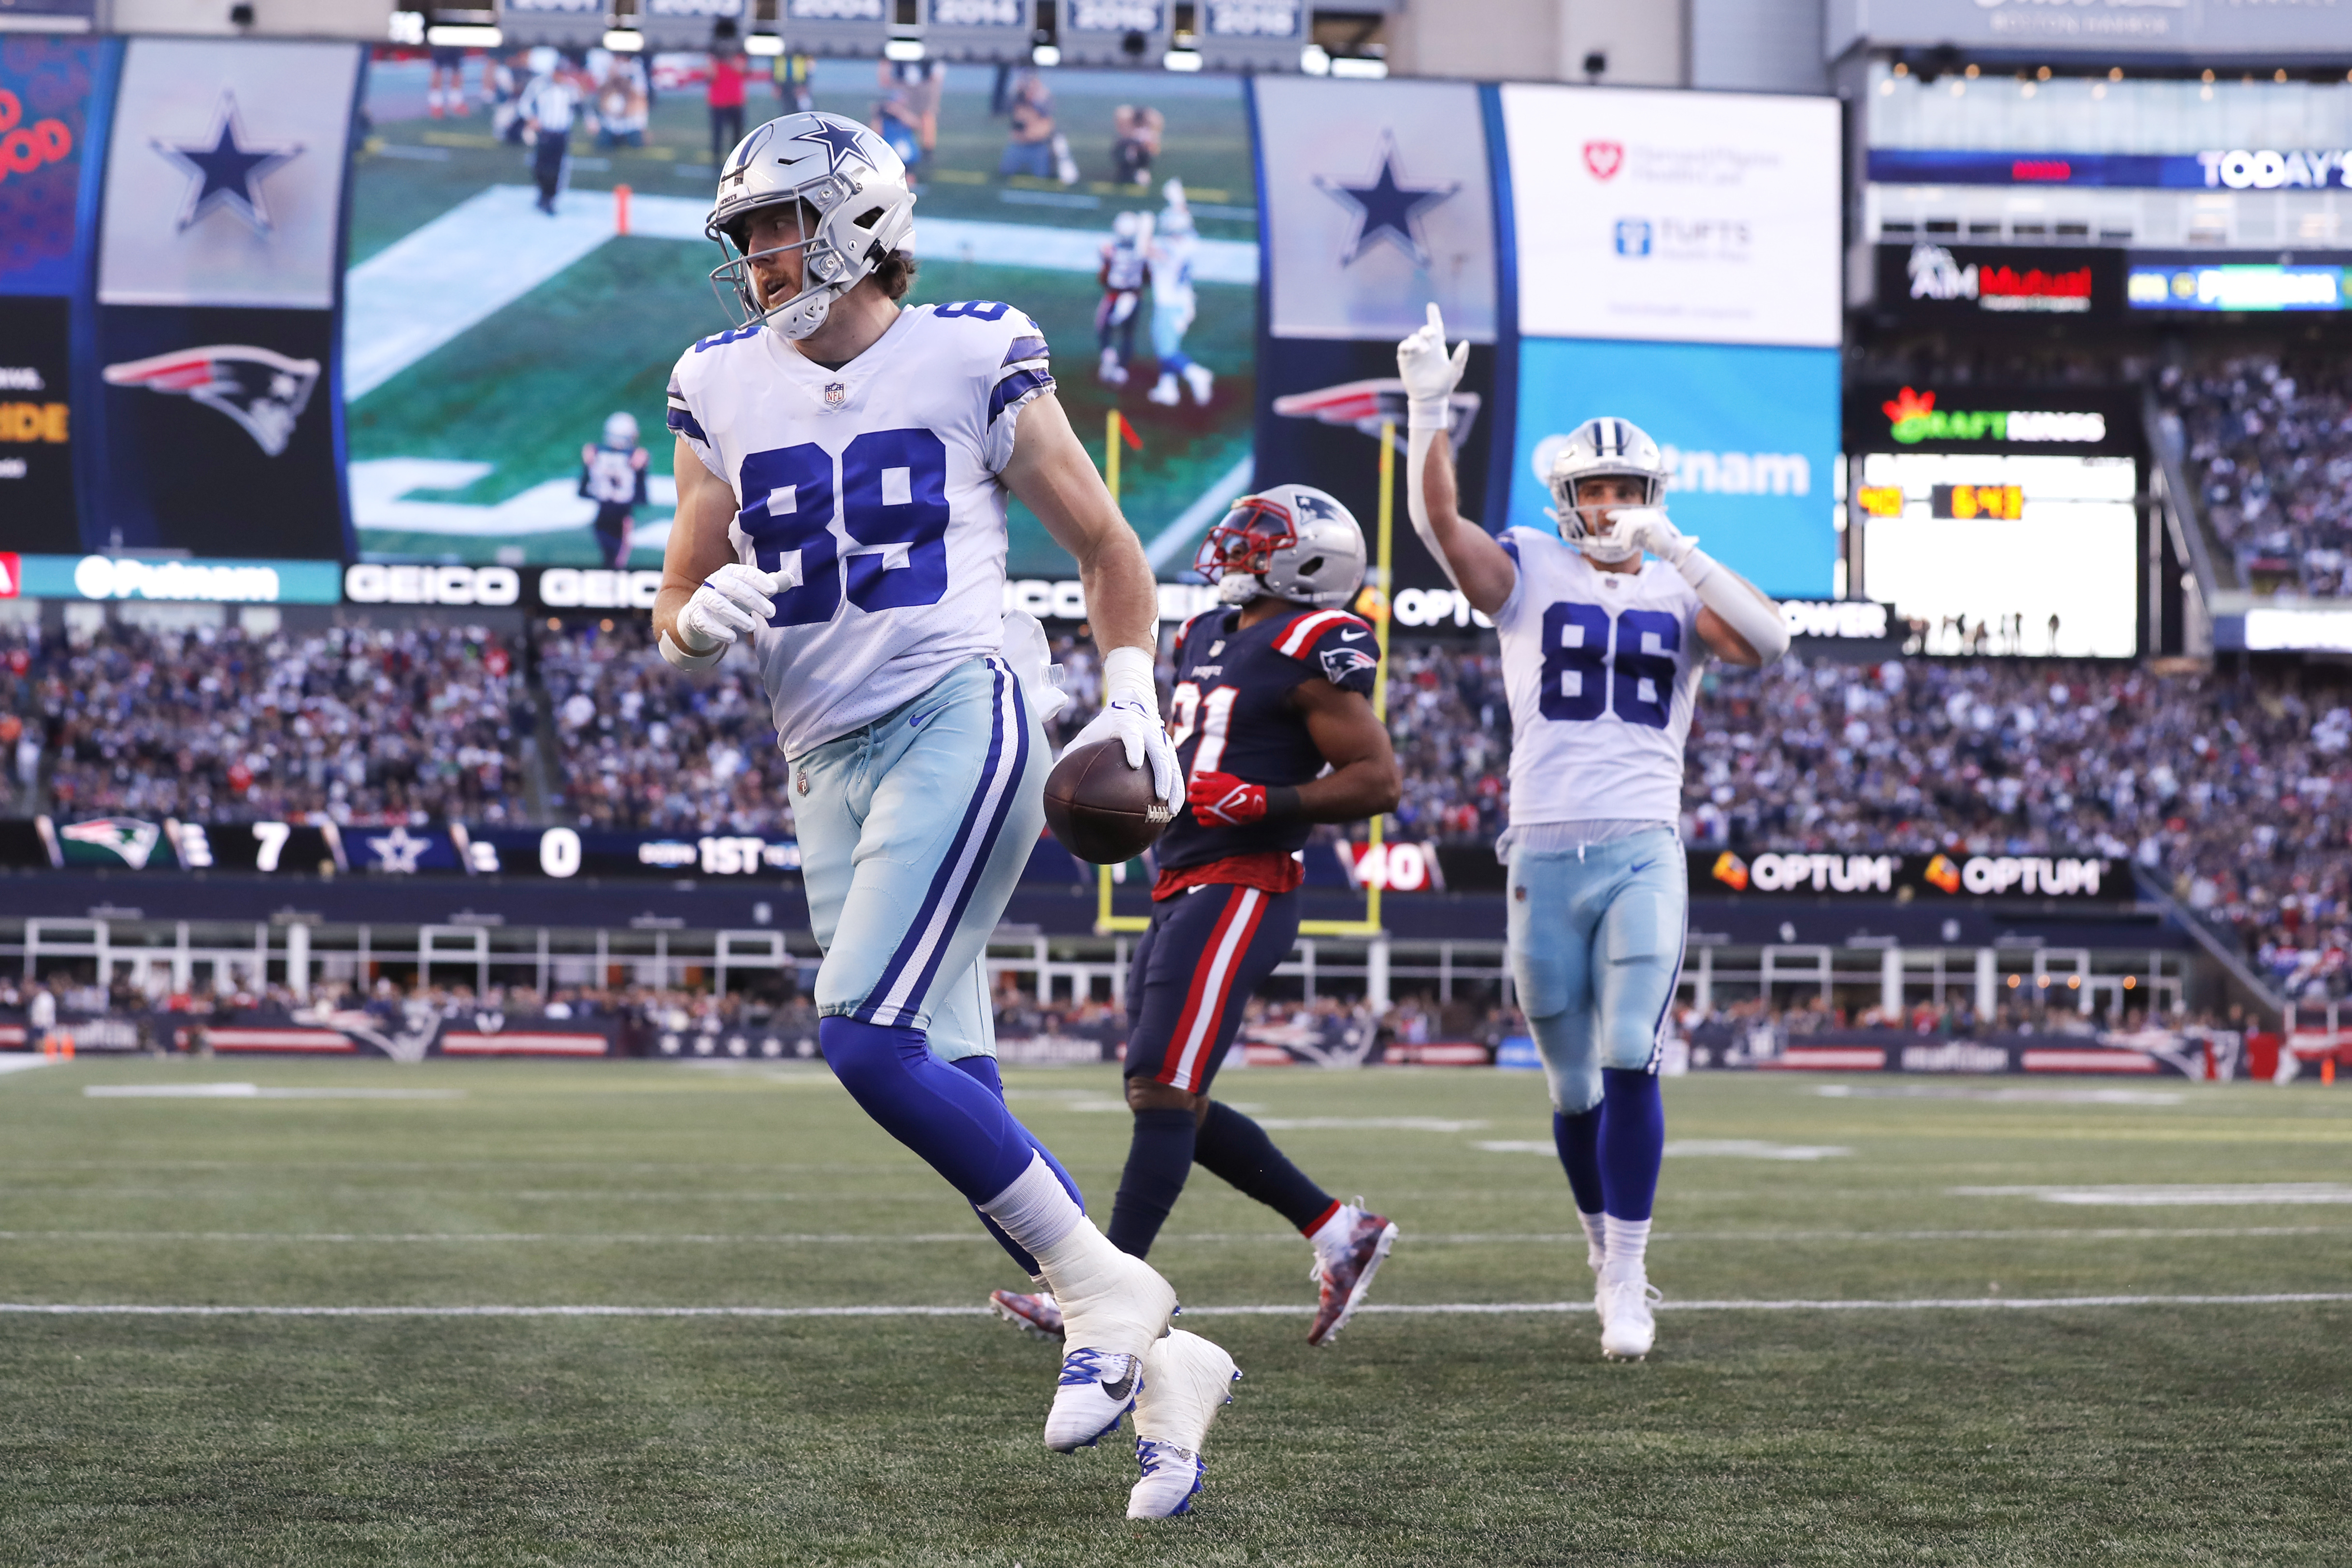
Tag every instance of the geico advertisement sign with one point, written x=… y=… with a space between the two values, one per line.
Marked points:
x=1676 y=217
x=371 y=584
x=1983 y=875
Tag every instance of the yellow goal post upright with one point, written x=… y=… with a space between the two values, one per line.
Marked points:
x=1107 y=923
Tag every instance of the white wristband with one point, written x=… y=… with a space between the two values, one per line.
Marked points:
x=679 y=657
x=1127 y=672
x=1429 y=416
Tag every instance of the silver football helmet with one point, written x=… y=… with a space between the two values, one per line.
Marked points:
x=1293 y=542
x=854 y=207
x=621 y=431
x=1602 y=448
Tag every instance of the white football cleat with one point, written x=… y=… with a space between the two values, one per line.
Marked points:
x=1165 y=392
x=1109 y=371
x=1628 y=1326
x=1198 y=378
x=1186 y=1380
x=1114 y=1308
x=1097 y=1389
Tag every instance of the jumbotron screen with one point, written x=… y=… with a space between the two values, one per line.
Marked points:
x=2034 y=557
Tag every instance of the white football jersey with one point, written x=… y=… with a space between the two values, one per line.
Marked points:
x=877 y=485
x=1602 y=669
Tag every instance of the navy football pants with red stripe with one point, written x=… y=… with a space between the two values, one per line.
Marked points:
x=1208 y=950
x=1207 y=953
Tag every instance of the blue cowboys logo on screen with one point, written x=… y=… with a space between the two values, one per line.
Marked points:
x=227 y=170
x=1386 y=207
x=262 y=391
x=1343 y=665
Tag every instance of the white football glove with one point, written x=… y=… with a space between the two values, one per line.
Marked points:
x=1130 y=716
x=1648 y=528
x=733 y=602
x=1430 y=374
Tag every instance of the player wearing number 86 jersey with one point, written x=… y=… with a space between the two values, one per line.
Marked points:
x=1604 y=627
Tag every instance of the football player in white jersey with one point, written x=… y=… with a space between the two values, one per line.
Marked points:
x=843 y=465
x=1601 y=652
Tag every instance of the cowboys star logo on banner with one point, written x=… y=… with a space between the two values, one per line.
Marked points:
x=1387 y=207
x=398 y=850
x=225 y=170
x=263 y=390
x=123 y=839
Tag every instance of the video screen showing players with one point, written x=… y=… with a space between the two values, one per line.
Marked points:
x=500 y=324
x=2000 y=554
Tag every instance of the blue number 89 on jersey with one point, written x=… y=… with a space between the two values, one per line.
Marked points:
x=1576 y=641
x=892 y=485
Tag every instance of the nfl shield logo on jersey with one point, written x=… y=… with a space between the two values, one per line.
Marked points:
x=1339 y=663
x=835 y=394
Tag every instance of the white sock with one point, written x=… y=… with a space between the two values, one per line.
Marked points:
x=1083 y=1270
x=1330 y=1238
x=1596 y=1237
x=1036 y=1210
x=1628 y=1240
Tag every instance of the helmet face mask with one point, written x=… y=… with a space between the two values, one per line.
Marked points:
x=1292 y=542
x=1603 y=449
x=854 y=207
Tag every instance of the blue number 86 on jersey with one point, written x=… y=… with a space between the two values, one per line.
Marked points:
x=892 y=485
x=1598 y=676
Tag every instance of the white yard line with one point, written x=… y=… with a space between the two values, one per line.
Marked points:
x=11 y=1062
x=472 y=261
x=1444 y=1308
x=1278 y=1238
x=2174 y=1196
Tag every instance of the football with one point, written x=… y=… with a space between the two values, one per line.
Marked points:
x=1101 y=809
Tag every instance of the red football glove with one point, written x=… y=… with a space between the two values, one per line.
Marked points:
x=1226 y=800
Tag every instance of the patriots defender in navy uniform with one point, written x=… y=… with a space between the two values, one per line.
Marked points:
x=1273 y=721
x=842 y=467
x=1602 y=646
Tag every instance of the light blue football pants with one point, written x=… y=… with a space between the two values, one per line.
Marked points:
x=1596 y=943
x=913 y=832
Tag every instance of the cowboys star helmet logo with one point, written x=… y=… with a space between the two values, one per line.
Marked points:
x=263 y=390
x=1343 y=665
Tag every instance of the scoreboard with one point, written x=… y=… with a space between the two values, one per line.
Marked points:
x=2005 y=553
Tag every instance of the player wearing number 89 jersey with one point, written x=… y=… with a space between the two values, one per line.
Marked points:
x=1604 y=627
x=842 y=468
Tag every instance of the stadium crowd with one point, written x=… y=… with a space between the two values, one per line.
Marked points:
x=638 y=747
x=216 y=724
x=2269 y=448
x=2234 y=788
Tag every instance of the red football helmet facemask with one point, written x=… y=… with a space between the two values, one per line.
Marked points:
x=1246 y=540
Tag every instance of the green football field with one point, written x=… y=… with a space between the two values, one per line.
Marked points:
x=1770 y=1427
x=524 y=388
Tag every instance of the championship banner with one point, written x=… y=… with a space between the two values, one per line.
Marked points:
x=215 y=415
x=48 y=86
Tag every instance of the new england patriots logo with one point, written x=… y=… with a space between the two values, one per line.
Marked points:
x=1349 y=666
x=262 y=391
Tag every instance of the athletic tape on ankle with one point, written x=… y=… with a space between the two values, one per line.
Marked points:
x=1035 y=1210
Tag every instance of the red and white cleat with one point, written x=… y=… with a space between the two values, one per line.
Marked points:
x=1037 y=1314
x=1349 y=1250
